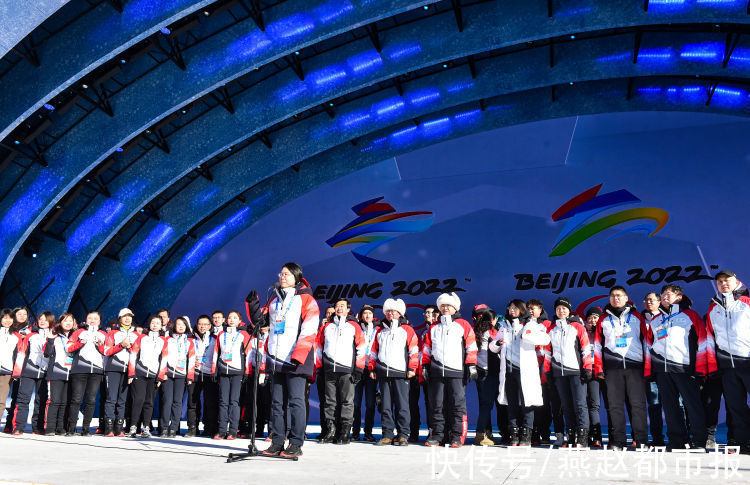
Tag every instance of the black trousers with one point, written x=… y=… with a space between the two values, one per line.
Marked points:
x=56 y=405
x=711 y=392
x=368 y=387
x=414 y=415
x=288 y=395
x=117 y=395
x=14 y=385
x=320 y=386
x=655 y=420
x=339 y=400
x=447 y=392
x=27 y=386
x=80 y=385
x=627 y=384
x=171 y=394
x=519 y=415
x=203 y=403
x=593 y=401
x=395 y=395
x=229 y=403
x=573 y=393
x=142 y=400
x=549 y=413
x=672 y=386
x=736 y=387
x=263 y=406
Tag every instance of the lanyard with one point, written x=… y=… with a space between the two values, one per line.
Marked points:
x=627 y=322
x=234 y=340
x=665 y=320
x=284 y=305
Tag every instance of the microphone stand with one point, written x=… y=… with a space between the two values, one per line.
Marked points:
x=252 y=450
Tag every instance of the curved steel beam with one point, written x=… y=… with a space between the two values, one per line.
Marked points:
x=88 y=43
x=224 y=57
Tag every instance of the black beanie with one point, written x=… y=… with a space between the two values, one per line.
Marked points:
x=564 y=302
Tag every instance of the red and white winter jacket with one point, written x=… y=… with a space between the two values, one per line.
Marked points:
x=341 y=346
x=484 y=356
x=293 y=316
x=180 y=357
x=449 y=344
x=674 y=338
x=148 y=356
x=728 y=329
x=233 y=347
x=395 y=350
x=88 y=358
x=60 y=360
x=9 y=343
x=569 y=350
x=205 y=355
x=118 y=357
x=619 y=340
x=31 y=359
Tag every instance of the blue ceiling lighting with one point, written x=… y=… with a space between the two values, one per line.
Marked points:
x=706 y=52
x=23 y=210
x=94 y=225
x=155 y=240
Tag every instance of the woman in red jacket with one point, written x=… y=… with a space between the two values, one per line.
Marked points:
x=58 y=373
x=146 y=371
x=180 y=374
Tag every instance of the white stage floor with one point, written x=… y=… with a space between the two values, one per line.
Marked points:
x=76 y=460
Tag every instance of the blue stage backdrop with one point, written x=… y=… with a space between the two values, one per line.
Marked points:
x=562 y=207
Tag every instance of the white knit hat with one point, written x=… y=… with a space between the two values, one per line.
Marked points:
x=451 y=299
x=397 y=304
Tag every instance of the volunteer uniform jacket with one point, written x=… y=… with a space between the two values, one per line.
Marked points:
x=293 y=316
x=340 y=346
x=569 y=350
x=205 y=356
x=118 y=357
x=60 y=360
x=728 y=329
x=180 y=357
x=31 y=359
x=676 y=339
x=148 y=356
x=395 y=350
x=619 y=340
x=368 y=331
x=449 y=344
x=88 y=358
x=9 y=343
x=233 y=347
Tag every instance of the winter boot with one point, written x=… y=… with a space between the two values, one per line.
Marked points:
x=582 y=437
x=571 y=438
x=108 y=425
x=513 y=435
x=595 y=436
x=478 y=438
x=191 y=432
x=343 y=437
x=117 y=428
x=525 y=437
x=330 y=433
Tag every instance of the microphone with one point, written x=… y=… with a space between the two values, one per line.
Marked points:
x=275 y=285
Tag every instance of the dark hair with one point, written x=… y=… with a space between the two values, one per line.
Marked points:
x=434 y=308
x=150 y=319
x=219 y=312
x=188 y=328
x=18 y=325
x=49 y=316
x=534 y=302
x=296 y=271
x=203 y=316
x=653 y=293
x=518 y=303
x=364 y=309
x=617 y=287
x=484 y=322
x=676 y=289
x=348 y=303
x=92 y=312
x=7 y=312
x=239 y=315
x=58 y=326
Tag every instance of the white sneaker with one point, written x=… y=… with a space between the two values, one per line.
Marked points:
x=146 y=432
x=133 y=432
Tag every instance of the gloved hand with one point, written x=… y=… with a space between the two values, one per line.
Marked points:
x=426 y=372
x=482 y=372
x=252 y=297
x=356 y=375
x=496 y=346
x=471 y=373
x=586 y=376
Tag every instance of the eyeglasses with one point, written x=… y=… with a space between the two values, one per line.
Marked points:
x=284 y=275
